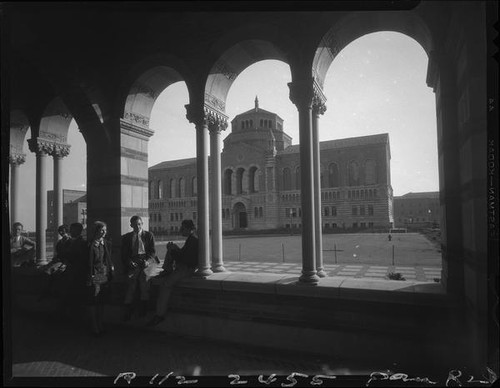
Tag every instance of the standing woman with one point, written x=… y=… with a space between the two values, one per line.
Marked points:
x=100 y=273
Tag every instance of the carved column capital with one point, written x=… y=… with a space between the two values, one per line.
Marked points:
x=17 y=159
x=302 y=93
x=216 y=121
x=206 y=116
x=60 y=150
x=41 y=146
x=319 y=100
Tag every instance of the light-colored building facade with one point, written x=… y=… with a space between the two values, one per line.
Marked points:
x=417 y=210
x=74 y=207
x=261 y=181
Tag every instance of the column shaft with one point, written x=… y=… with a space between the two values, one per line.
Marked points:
x=307 y=196
x=58 y=197
x=41 y=208
x=14 y=192
x=216 y=206
x=203 y=202
x=317 y=197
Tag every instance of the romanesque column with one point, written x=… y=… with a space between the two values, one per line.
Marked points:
x=196 y=115
x=301 y=94
x=15 y=161
x=41 y=148
x=318 y=108
x=217 y=123
x=59 y=152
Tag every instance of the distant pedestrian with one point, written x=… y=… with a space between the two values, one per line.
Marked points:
x=389 y=237
x=179 y=264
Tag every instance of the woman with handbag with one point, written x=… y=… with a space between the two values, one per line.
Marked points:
x=99 y=275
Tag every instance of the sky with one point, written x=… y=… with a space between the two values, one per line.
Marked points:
x=375 y=85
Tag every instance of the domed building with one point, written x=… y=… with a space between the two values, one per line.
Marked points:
x=261 y=181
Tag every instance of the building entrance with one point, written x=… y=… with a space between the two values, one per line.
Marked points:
x=240 y=215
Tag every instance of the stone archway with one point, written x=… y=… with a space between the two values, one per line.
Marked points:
x=240 y=216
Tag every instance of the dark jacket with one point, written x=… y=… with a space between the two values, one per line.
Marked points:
x=188 y=254
x=127 y=249
x=94 y=263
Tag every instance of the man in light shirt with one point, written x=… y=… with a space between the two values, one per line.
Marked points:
x=138 y=252
x=22 y=249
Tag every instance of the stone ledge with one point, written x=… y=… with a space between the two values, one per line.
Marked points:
x=388 y=291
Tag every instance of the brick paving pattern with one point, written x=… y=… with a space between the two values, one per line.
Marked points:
x=422 y=274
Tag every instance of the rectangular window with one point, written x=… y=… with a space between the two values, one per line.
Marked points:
x=370 y=210
x=370 y=224
x=355 y=225
x=334 y=211
x=361 y=210
x=354 y=211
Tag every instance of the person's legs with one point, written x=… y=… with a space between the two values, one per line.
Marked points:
x=166 y=289
x=144 y=293
x=129 y=297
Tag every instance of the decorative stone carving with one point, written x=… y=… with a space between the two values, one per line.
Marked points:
x=216 y=121
x=224 y=69
x=135 y=130
x=143 y=89
x=215 y=102
x=60 y=150
x=52 y=137
x=302 y=93
x=17 y=159
x=137 y=118
x=41 y=146
x=319 y=100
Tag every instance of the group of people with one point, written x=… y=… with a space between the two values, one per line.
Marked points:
x=81 y=271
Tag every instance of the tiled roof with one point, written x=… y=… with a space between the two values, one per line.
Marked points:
x=173 y=163
x=382 y=138
x=426 y=194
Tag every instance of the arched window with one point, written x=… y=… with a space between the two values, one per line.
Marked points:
x=287 y=184
x=255 y=212
x=172 y=188
x=253 y=180
x=327 y=211
x=370 y=172
x=334 y=211
x=261 y=212
x=150 y=191
x=239 y=180
x=297 y=178
x=251 y=123
x=242 y=125
x=353 y=173
x=261 y=122
x=333 y=175
x=194 y=186
x=182 y=188
x=228 y=176
x=160 y=189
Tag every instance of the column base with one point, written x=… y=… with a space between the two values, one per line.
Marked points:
x=204 y=273
x=309 y=278
x=219 y=268
x=321 y=273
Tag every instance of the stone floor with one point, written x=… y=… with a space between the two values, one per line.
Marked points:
x=424 y=274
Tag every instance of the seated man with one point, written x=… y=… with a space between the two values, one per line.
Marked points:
x=179 y=263
x=22 y=249
x=138 y=252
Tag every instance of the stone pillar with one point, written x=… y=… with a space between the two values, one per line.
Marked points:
x=217 y=124
x=59 y=152
x=301 y=94
x=441 y=76
x=196 y=115
x=318 y=108
x=15 y=161
x=41 y=148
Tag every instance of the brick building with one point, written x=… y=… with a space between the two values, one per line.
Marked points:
x=417 y=210
x=74 y=208
x=261 y=181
